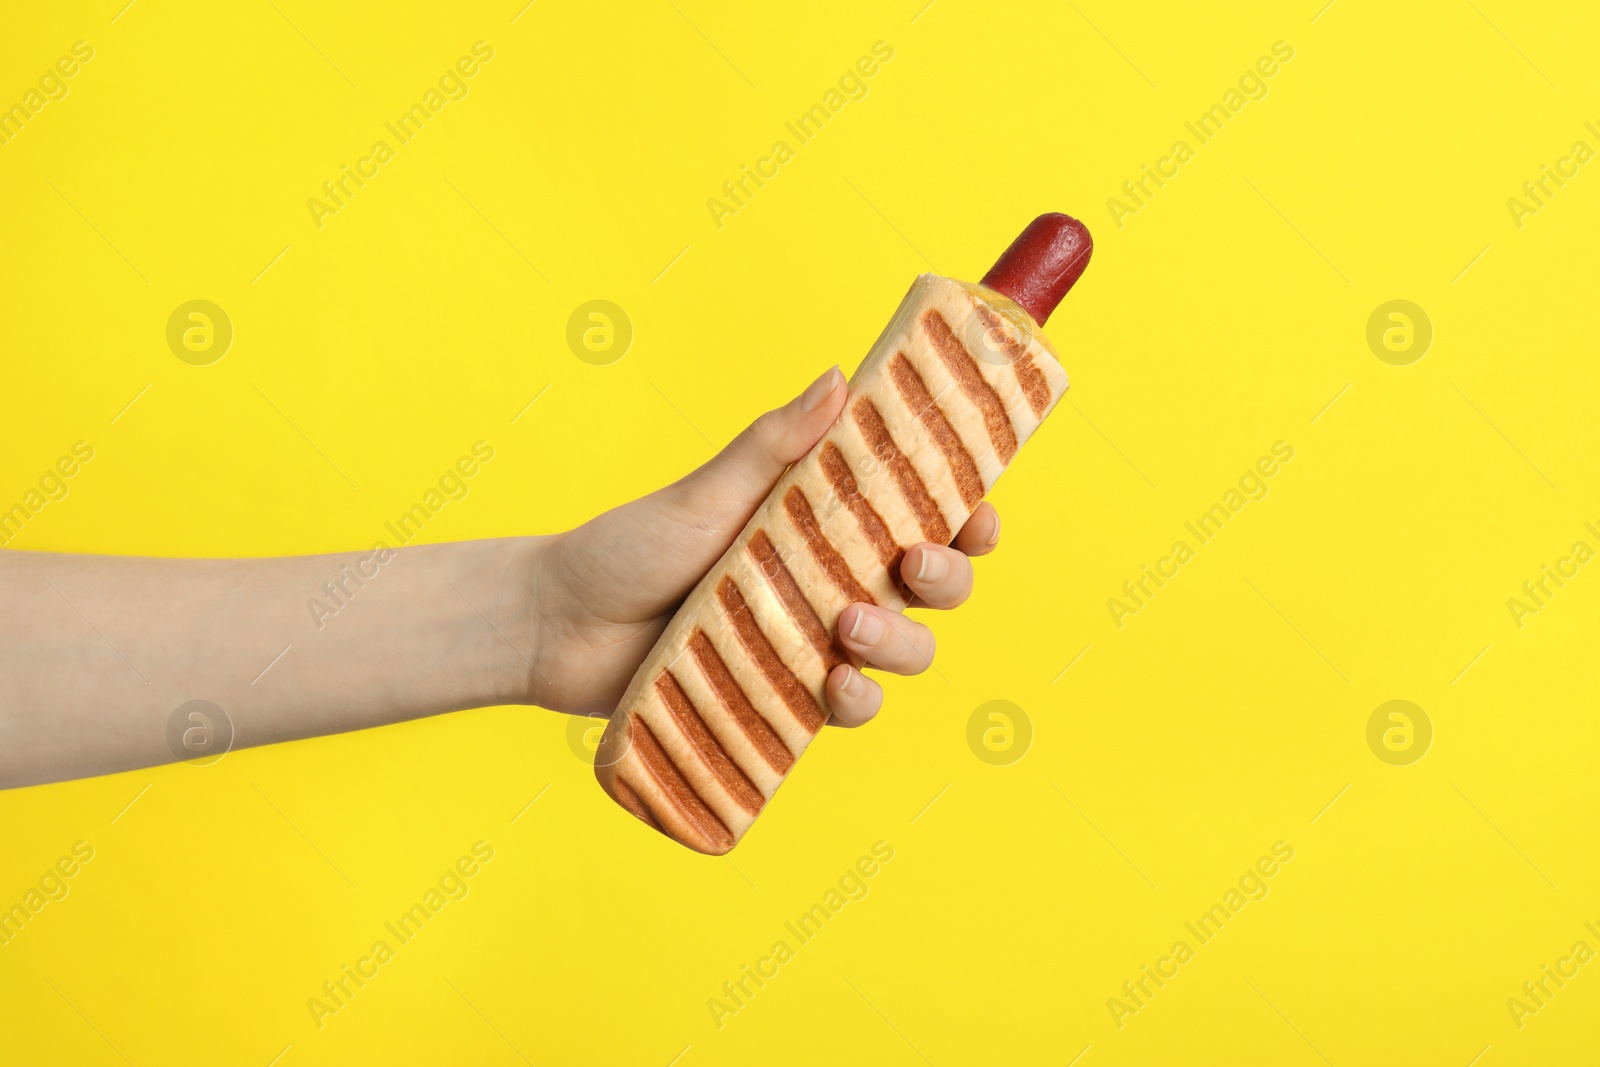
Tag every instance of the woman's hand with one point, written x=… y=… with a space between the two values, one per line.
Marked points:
x=100 y=655
x=604 y=592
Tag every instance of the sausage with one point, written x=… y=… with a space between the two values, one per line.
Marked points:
x=1042 y=264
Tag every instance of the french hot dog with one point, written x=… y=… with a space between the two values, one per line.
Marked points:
x=732 y=693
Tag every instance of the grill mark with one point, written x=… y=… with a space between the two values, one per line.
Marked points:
x=828 y=557
x=796 y=696
x=966 y=373
x=634 y=803
x=684 y=713
x=915 y=393
x=794 y=601
x=762 y=737
x=922 y=506
x=1029 y=376
x=681 y=794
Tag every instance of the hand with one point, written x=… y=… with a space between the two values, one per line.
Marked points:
x=392 y=635
x=605 y=591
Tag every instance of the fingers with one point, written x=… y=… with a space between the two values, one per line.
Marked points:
x=853 y=697
x=981 y=533
x=748 y=467
x=940 y=577
x=883 y=639
x=886 y=639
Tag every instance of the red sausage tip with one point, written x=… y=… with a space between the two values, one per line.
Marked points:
x=1042 y=264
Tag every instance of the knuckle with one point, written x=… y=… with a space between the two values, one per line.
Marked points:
x=765 y=426
x=773 y=431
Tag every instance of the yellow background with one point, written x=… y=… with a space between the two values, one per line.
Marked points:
x=1224 y=316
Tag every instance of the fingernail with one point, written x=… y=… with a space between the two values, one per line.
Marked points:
x=994 y=535
x=819 y=389
x=868 y=629
x=852 y=681
x=933 y=566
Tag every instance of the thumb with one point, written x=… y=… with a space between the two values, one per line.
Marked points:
x=738 y=479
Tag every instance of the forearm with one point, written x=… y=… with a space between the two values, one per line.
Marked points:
x=97 y=652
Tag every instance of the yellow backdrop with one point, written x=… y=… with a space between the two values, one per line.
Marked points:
x=1196 y=831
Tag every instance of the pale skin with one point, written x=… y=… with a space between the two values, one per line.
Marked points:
x=96 y=652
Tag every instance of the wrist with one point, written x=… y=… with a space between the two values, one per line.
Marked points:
x=513 y=569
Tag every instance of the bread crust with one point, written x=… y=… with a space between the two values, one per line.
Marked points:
x=732 y=692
